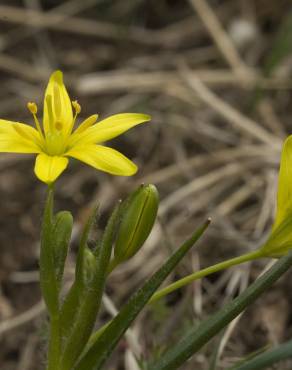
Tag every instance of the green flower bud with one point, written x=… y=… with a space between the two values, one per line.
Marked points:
x=89 y=265
x=139 y=214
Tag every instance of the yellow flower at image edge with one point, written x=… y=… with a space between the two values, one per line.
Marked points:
x=280 y=240
x=56 y=139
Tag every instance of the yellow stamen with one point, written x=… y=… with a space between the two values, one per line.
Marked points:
x=76 y=106
x=32 y=107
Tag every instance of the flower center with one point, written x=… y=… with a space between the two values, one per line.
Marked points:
x=55 y=143
x=54 y=140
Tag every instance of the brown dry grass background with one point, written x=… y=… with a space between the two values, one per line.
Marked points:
x=220 y=113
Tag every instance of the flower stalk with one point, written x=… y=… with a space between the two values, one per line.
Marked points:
x=205 y=272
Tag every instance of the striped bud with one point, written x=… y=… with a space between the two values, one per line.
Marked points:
x=139 y=214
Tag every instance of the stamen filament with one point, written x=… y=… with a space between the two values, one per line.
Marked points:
x=38 y=126
x=77 y=108
x=32 y=107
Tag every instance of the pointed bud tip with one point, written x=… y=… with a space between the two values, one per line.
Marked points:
x=57 y=76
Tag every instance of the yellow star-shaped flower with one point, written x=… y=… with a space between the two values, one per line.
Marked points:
x=55 y=140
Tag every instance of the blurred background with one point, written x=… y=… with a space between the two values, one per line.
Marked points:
x=216 y=76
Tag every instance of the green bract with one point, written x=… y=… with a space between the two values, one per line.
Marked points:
x=138 y=219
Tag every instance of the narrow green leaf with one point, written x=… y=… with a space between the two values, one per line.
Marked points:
x=62 y=229
x=215 y=353
x=73 y=298
x=251 y=356
x=107 y=341
x=86 y=316
x=83 y=243
x=69 y=309
x=48 y=280
x=200 y=335
x=267 y=359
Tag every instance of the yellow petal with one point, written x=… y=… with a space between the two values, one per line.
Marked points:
x=57 y=105
x=284 y=200
x=17 y=137
x=104 y=159
x=49 y=168
x=112 y=126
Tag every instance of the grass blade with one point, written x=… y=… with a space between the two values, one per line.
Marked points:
x=48 y=280
x=267 y=359
x=74 y=297
x=107 y=341
x=200 y=335
x=86 y=316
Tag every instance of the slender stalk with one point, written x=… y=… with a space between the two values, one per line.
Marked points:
x=205 y=272
x=54 y=345
x=49 y=283
x=198 y=335
x=190 y=278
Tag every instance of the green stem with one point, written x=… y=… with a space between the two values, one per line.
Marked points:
x=48 y=281
x=205 y=272
x=190 y=278
x=54 y=345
